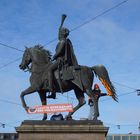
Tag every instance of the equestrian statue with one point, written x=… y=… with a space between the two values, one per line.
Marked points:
x=61 y=73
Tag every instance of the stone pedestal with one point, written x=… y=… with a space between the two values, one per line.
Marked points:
x=62 y=130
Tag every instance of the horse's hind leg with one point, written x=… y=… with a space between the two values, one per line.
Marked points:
x=87 y=81
x=89 y=93
x=26 y=92
x=42 y=94
x=81 y=101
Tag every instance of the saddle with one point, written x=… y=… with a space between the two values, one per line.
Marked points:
x=66 y=73
x=70 y=73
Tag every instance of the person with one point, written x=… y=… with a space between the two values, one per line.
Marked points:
x=57 y=117
x=64 y=56
x=94 y=108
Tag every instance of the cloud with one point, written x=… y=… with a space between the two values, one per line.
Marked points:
x=112 y=40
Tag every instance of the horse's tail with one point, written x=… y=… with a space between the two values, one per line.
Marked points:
x=103 y=76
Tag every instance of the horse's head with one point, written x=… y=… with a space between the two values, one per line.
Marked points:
x=36 y=55
x=26 y=59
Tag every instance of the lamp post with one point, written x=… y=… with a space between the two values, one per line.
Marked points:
x=3 y=125
x=139 y=126
x=138 y=92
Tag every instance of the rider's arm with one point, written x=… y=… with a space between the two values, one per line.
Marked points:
x=60 y=49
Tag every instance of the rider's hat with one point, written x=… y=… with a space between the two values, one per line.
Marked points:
x=63 y=30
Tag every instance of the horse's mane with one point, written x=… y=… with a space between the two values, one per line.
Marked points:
x=41 y=48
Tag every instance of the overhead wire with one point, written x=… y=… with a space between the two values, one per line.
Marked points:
x=11 y=62
x=124 y=85
x=31 y=118
x=14 y=122
x=120 y=95
x=119 y=126
x=99 y=15
x=51 y=41
x=79 y=26
x=67 y=97
x=75 y=28
x=40 y=115
x=127 y=93
x=10 y=102
x=116 y=125
x=106 y=123
x=92 y=19
x=72 y=98
x=14 y=48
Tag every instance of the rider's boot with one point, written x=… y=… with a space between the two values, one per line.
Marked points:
x=51 y=87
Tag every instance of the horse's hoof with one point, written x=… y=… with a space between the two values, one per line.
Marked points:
x=69 y=118
x=44 y=118
x=26 y=109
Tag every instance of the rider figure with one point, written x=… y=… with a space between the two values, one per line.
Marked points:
x=64 y=55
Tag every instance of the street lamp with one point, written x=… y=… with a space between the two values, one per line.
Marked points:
x=139 y=126
x=138 y=92
x=118 y=126
x=3 y=125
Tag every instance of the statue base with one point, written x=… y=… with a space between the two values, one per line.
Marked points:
x=62 y=130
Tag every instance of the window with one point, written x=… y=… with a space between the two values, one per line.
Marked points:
x=117 y=137
x=133 y=137
x=1 y=136
x=125 y=137
x=109 y=138
x=13 y=137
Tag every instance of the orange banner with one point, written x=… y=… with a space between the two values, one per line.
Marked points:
x=52 y=108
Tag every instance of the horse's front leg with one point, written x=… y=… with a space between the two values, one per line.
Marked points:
x=26 y=92
x=42 y=94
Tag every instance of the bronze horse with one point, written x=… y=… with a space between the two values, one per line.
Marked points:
x=39 y=60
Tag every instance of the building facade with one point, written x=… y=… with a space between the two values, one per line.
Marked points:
x=123 y=137
x=8 y=136
x=14 y=136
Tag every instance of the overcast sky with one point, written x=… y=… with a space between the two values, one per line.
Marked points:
x=112 y=40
